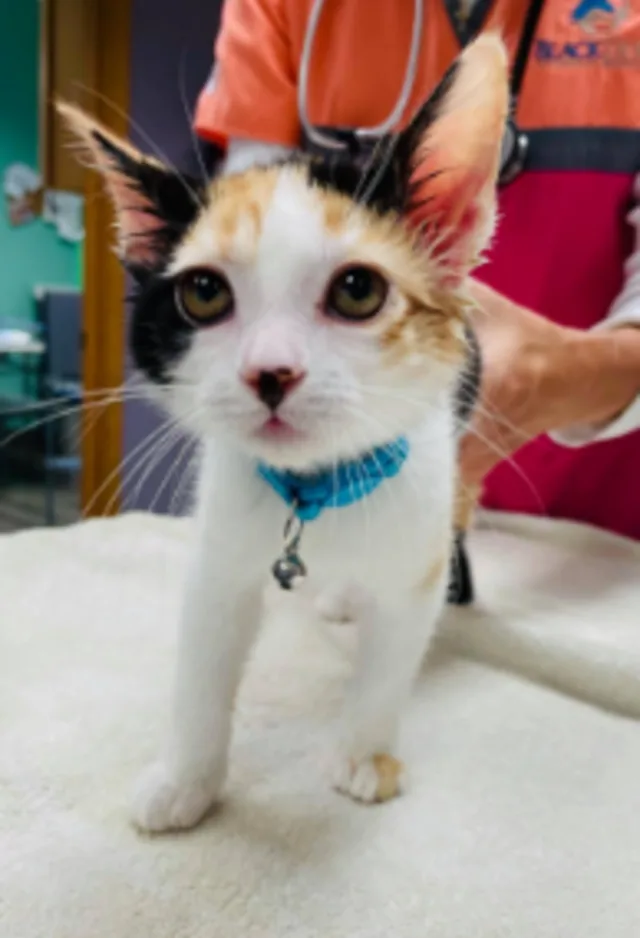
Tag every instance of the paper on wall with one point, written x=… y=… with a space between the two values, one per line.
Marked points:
x=21 y=185
x=20 y=179
x=65 y=210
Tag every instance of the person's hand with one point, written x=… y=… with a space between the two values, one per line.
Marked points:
x=539 y=377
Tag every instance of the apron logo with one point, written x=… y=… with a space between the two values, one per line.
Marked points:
x=599 y=17
x=598 y=21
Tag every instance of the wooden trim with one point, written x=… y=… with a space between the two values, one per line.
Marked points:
x=104 y=280
x=44 y=78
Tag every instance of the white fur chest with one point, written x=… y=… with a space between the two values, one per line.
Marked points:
x=389 y=539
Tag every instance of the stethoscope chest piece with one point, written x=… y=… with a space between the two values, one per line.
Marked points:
x=514 y=152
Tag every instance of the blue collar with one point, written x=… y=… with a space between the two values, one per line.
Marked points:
x=337 y=486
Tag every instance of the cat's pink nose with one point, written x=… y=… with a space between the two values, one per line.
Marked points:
x=271 y=387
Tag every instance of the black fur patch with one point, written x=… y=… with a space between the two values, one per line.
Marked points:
x=468 y=389
x=158 y=333
x=174 y=199
x=353 y=173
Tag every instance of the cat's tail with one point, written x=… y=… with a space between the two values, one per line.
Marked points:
x=595 y=672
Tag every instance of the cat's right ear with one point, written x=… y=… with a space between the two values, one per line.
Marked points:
x=448 y=158
x=154 y=204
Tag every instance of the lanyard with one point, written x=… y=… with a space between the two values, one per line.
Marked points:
x=524 y=48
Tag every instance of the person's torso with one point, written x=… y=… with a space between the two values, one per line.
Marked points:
x=562 y=236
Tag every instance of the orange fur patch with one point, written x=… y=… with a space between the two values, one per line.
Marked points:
x=432 y=330
x=235 y=212
x=389 y=771
x=466 y=502
x=337 y=211
x=433 y=573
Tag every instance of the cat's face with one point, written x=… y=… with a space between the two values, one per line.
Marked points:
x=277 y=311
x=310 y=327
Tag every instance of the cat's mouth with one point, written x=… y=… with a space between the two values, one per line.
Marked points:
x=277 y=429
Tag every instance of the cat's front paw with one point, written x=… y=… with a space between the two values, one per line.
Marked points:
x=375 y=779
x=162 y=802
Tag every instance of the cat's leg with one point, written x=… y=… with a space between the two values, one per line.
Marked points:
x=178 y=790
x=395 y=632
x=219 y=620
x=220 y=614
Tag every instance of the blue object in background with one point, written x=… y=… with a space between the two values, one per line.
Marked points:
x=60 y=316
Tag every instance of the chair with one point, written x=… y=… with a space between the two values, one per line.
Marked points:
x=21 y=352
x=60 y=315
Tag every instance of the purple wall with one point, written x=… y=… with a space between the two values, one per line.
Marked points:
x=172 y=43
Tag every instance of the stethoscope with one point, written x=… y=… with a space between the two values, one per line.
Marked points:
x=360 y=143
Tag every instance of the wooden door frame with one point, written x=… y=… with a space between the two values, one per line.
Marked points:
x=98 y=79
x=102 y=69
x=104 y=279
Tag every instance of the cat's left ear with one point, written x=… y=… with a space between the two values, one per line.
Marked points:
x=448 y=159
x=154 y=204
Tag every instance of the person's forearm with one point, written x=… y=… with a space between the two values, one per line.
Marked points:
x=560 y=377
x=604 y=369
x=539 y=377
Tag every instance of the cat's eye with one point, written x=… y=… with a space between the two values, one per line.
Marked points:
x=204 y=296
x=356 y=293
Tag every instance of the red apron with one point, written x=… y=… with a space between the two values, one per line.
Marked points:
x=563 y=238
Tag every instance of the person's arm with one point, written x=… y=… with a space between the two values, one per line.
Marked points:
x=616 y=344
x=539 y=377
x=612 y=354
x=249 y=106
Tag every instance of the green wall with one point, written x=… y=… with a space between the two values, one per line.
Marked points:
x=31 y=253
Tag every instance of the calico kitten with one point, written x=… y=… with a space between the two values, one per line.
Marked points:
x=297 y=320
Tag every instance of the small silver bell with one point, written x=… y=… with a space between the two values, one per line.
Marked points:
x=287 y=570
x=289 y=567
